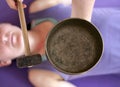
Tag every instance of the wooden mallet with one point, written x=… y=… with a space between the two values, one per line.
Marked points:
x=29 y=59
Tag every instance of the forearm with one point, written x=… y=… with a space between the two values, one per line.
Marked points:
x=82 y=9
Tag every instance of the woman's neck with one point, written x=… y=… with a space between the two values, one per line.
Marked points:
x=37 y=36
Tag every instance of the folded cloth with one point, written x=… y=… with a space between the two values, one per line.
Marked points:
x=107 y=21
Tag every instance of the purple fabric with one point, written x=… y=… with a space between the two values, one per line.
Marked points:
x=8 y=15
x=11 y=16
x=98 y=81
x=13 y=77
x=107 y=3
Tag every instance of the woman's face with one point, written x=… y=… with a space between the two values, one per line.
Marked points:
x=11 y=42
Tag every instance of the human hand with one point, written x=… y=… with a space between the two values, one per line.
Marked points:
x=64 y=84
x=12 y=4
x=46 y=78
x=53 y=83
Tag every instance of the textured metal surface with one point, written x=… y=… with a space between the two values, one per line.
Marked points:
x=28 y=61
x=74 y=46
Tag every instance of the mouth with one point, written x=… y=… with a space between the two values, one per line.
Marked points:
x=12 y=39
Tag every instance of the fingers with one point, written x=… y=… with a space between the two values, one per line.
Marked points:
x=65 y=84
x=5 y=63
x=12 y=4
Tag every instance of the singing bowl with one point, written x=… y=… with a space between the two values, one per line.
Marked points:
x=74 y=46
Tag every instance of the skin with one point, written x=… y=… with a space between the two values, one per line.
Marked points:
x=82 y=9
x=39 y=78
x=10 y=42
x=13 y=5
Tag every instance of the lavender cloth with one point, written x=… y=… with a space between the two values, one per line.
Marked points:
x=11 y=76
x=108 y=25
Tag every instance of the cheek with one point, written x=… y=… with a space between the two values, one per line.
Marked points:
x=7 y=54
